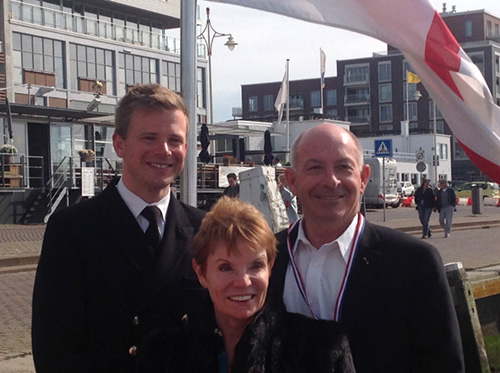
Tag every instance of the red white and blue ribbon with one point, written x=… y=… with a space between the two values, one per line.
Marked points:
x=352 y=255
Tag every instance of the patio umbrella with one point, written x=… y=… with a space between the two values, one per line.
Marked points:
x=205 y=142
x=268 y=149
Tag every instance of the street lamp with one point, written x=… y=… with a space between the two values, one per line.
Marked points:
x=211 y=34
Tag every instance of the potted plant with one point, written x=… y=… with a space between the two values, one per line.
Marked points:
x=7 y=150
x=86 y=155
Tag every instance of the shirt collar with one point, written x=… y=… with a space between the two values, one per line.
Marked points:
x=136 y=204
x=343 y=242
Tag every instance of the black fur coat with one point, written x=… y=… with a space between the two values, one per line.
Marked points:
x=276 y=341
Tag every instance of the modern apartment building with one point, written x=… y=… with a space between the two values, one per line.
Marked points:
x=64 y=65
x=374 y=96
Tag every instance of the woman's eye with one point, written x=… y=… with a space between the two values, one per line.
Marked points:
x=224 y=268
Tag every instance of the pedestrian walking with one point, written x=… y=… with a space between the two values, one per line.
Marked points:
x=426 y=201
x=446 y=202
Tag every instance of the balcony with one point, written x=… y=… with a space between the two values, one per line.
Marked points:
x=356 y=99
x=56 y=19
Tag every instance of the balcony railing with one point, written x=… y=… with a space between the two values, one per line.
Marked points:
x=60 y=20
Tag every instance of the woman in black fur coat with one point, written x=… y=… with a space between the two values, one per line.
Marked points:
x=235 y=331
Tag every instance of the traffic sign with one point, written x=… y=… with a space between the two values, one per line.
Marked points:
x=383 y=148
x=421 y=166
x=420 y=155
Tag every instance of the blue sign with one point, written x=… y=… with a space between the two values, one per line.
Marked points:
x=383 y=148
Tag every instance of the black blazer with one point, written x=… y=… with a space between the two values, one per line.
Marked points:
x=452 y=198
x=397 y=311
x=97 y=291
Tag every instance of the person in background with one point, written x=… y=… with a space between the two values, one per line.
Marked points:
x=446 y=205
x=238 y=330
x=289 y=199
x=110 y=272
x=387 y=289
x=233 y=190
x=425 y=201
x=277 y=162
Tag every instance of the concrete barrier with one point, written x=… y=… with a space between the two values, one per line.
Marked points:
x=491 y=202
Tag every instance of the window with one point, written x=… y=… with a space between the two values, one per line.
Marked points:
x=297 y=101
x=253 y=103
x=385 y=92
x=171 y=75
x=331 y=97
x=268 y=102
x=134 y=69
x=358 y=115
x=411 y=88
x=385 y=113
x=468 y=28
x=91 y=64
x=405 y=177
x=356 y=74
x=488 y=28
x=315 y=97
x=442 y=151
x=40 y=54
x=200 y=92
x=384 y=71
x=386 y=127
x=431 y=111
x=414 y=179
x=497 y=29
x=478 y=59
x=355 y=96
x=332 y=113
x=412 y=111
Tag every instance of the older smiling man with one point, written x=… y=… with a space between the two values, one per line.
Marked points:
x=388 y=289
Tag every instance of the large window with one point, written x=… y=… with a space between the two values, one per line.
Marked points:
x=356 y=74
x=34 y=53
x=253 y=103
x=200 y=92
x=478 y=59
x=171 y=75
x=297 y=101
x=135 y=69
x=268 y=102
x=315 y=97
x=412 y=108
x=442 y=151
x=331 y=97
x=385 y=112
x=385 y=92
x=89 y=63
x=357 y=95
x=384 y=71
x=468 y=28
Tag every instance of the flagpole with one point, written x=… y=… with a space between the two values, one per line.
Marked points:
x=322 y=80
x=287 y=110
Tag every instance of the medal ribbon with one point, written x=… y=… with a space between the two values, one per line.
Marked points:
x=298 y=277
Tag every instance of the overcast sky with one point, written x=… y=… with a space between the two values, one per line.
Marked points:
x=266 y=40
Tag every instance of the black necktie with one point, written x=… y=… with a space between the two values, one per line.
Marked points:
x=153 y=214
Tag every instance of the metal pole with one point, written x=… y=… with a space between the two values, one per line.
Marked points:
x=383 y=182
x=435 y=146
x=188 y=90
x=288 y=109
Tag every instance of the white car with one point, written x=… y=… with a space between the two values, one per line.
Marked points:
x=406 y=188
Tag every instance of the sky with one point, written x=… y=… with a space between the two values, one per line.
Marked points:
x=266 y=41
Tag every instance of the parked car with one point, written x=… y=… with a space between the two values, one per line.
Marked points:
x=406 y=188
x=490 y=189
x=456 y=183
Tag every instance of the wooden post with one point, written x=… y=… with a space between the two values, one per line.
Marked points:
x=475 y=356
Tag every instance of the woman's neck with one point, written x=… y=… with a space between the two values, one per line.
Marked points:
x=232 y=330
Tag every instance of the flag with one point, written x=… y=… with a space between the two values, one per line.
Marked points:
x=281 y=98
x=411 y=77
x=453 y=81
x=322 y=58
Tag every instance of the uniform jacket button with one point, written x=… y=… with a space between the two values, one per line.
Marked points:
x=135 y=321
x=132 y=351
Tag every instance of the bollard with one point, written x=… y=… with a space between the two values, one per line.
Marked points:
x=477 y=199
x=475 y=356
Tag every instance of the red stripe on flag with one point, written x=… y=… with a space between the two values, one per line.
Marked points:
x=441 y=52
x=489 y=168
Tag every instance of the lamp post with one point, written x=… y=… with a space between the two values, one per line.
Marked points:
x=211 y=34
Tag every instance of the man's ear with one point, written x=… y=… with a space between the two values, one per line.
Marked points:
x=365 y=176
x=118 y=144
x=290 y=179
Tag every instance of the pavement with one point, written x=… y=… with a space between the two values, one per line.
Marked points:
x=20 y=247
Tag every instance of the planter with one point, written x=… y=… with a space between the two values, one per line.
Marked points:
x=87 y=157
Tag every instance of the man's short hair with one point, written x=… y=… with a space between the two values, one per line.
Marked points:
x=232 y=175
x=295 y=156
x=153 y=97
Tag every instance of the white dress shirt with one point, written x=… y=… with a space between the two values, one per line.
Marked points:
x=322 y=271
x=136 y=204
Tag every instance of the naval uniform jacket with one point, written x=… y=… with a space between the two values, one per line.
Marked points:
x=97 y=290
x=397 y=310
